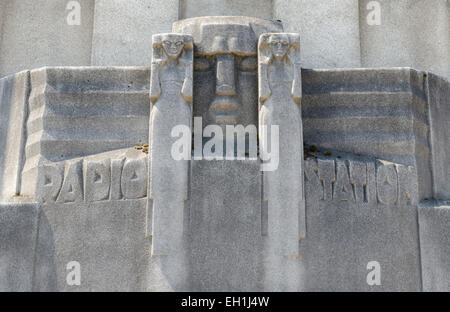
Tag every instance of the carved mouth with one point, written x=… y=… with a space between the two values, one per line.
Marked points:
x=224 y=109
x=224 y=104
x=226 y=119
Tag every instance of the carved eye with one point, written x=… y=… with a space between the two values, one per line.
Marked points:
x=201 y=63
x=165 y=42
x=249 y=63
x=285 y=43
x=179 y=43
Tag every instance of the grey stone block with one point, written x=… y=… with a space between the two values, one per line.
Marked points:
x=225 y=240
x=106 y=234
x=434 y=227
x=105 y=237
x=377 y=112
x=82 y=111
x=360 y=222
x=18 y=233
x=344 y=233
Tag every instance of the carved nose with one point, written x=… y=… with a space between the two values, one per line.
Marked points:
x=225 y=82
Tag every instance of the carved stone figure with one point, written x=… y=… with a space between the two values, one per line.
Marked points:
x=171 y=98
x=280 y=93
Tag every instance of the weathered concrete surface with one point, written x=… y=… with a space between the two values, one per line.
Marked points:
x=439 y=107
x=350 y=225
x=334 y=33
x=225 y=226
x=434 y=226
x=346 y=229
x=254 y=8
x=2 y=18
x=113 y=253
x=14 y=92
x=225 y=242
x=412 y=33
x=35 y=33
x=18 y=232
x=106 y=235
x=81 y=111
x=123 y=30
x=329 y=30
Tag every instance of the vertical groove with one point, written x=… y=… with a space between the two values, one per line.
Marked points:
x=361 y=59
x=264 y=209
x=180 y=9
x=427 y=95
x=430 y=138
x=91 y=35
x=23 y=139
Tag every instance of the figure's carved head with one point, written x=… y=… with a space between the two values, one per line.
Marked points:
x=279 y=45
x=170 y=46
x=225 y=88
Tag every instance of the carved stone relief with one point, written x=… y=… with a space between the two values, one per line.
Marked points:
x=280 y=94
x=171 y=97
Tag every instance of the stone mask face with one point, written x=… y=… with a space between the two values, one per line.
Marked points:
x=225 y=67
x=279 y=45
x=173 y=45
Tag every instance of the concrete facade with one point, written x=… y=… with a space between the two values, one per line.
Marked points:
x=401 y=40
x=196 y=8
x=334 y=34
x=18 y=233
x=225 y=163
x=434 y=224
x=36 y=33
x=123 y=30
x=92 y=205
x=329 y=30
